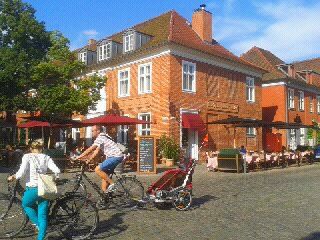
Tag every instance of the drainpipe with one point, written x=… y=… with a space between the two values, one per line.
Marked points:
x=286 y=112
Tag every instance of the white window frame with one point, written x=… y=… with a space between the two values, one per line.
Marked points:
x=192 y=88
x=302 y=136
x=250 y=89
x=83 y=57
x=301 y=100
x=128 y=42
x=318 y=104
x=291 y=98
x=311 y=104
x=122 y=136
x=144 y=127
x=120 y=80
x=103 y=52
x=251 y=131
x=144 y=76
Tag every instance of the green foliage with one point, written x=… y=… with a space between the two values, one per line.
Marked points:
x=310 y=133
x=60 y=93
x=169 y=148
x=23 y=44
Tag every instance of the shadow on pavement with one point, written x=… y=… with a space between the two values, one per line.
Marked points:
x=110 y=227
x=312 y=236
x=198 y=202
x=4 y=170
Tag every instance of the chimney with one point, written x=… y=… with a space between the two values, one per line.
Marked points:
x=202 y=23
x=291 y=71
x=92 y=42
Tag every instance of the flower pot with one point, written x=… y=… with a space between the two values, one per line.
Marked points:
x=169 y=162
x=163 y=160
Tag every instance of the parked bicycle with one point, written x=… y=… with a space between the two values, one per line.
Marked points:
x=72 y=214
x=127 y=193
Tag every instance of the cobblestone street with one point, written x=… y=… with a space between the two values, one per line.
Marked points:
x=274 y=204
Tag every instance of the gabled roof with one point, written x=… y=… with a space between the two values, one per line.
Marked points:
x=169 y=28
x=312 y=64
x=266 y=60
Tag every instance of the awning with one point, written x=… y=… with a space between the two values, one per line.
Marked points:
x=34 y=124
x=192 y=121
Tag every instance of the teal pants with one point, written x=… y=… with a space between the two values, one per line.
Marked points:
x=36 y=209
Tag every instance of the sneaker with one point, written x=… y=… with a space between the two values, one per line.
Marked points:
x=101 y=204
x=111 y=188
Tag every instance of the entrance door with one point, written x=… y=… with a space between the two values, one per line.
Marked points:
x=193 y=143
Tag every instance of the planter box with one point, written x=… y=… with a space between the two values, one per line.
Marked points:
x=169 y=162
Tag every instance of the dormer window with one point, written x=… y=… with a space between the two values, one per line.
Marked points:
x=128 y=43
x=133 y=40
x=83 y=57
x=104 y=51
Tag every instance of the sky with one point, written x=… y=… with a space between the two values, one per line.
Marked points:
x=289 y=29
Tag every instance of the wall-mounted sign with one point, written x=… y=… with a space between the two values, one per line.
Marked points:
x=222 y=106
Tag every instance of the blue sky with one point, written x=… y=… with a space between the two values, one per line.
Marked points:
x=289 y=29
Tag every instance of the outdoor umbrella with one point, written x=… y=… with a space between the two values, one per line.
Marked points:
x=56 y=121
x=113 y=120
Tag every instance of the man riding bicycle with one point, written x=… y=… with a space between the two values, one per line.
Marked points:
x=113 y=154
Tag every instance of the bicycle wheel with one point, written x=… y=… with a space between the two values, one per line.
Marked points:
x=12 y=217
x=79 y=217
x=128 y=192
x=183 y=200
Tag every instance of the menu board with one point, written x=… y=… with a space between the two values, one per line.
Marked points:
x=146 y=155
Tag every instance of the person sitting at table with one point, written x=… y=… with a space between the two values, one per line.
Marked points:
x=212 y=158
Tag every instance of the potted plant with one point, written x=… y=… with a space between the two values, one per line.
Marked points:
x=169 y=150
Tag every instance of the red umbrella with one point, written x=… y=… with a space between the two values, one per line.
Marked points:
x=32 y=124
x=113 y=120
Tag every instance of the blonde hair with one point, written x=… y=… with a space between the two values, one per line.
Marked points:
x=37 y=145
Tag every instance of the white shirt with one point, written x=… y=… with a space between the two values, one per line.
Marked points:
x=30 y=164
x=109 y=147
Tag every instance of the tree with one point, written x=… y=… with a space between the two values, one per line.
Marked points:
x=60 y=93
x=23 y=44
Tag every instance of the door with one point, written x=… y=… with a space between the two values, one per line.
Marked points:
x=193 y=143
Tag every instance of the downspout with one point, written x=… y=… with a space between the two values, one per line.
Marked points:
x=286 y=112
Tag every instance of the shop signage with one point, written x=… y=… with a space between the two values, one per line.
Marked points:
x=146 y=154
x=223 y=106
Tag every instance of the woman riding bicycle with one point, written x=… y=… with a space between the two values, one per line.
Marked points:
x=32 y=164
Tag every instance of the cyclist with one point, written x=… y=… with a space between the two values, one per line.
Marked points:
x=113 y=154
x=32 y=163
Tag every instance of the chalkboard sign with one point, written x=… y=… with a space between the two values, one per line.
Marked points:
x=146 y=155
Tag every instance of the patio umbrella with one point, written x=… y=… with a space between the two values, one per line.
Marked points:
x=113 y=120
x=56 y=121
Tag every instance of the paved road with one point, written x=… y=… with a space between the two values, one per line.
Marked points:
x=274 y=204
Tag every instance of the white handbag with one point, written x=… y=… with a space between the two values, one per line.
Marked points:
x=47 y=188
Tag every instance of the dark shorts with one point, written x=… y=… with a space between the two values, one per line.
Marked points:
x=110 y=164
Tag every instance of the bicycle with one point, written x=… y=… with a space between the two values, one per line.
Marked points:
x=128 y=190
x=73 y=215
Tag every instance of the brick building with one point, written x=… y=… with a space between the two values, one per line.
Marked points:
x=290 y=93
x=173 y=73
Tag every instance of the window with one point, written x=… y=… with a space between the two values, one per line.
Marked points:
x=301 y=100
x=76 y=134
x=318 y=104
x=311 y=104
x=188 y=76
x=302 y=136
x=128 y=42
x=124 y=83
x=83 y=57
x=251 y=131
x=292 y=142
x=291 y=98
x=250 y=93
x=144 y=129
x=122 y=136
x=104 y=51
x=144 y=78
